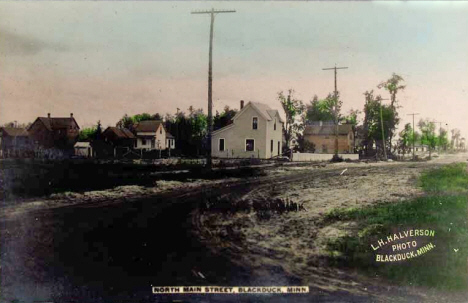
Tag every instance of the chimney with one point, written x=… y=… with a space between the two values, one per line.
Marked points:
x=242 y=104
x=71 y=115
x=48 y=115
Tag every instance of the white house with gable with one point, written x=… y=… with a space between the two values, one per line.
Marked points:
x=152 y=135
x=256 y=132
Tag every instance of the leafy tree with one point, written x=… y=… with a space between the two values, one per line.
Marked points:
x=393 y=86
x=224 y=118
x=428 y=135
x=455 y=137
x=318 y=110
x=293 y=108
x=406 y=139
x=373 y=122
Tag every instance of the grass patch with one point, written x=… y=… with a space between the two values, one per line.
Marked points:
x=444 y=210
x=449 y=178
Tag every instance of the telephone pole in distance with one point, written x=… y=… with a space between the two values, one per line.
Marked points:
x=413 y=114
x=336 y=109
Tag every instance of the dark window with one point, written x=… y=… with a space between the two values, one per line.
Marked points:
x=143 y=141
x=254 y=123
x=278 y=148
x=274 y=125
x=221 y=144
x=271 y=146
x=249 y=144
x=152 y=143
x=160 y=130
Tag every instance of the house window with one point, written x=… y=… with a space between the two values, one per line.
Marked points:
x=135 y=144
x=271 y=146
x=249 y=144
x=274 y=125
x=279 y=148
x=160 y=130
x=152 y=143
x=143 y=141
x=254 y=123
x=221 y=144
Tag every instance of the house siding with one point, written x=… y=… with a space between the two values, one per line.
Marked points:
x=235 y=136
x=345 y=143
x=148 y=136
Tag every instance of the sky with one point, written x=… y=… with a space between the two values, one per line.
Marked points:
x=101 y=60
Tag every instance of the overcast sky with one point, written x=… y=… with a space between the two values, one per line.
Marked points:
x=101 y=60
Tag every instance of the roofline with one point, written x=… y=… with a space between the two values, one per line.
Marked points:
x=244 y=109
x=223 y=129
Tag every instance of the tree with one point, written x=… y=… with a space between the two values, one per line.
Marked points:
x=406 y=139
x=91 y=133
x=428 y=135
x=373 y=122
x=455 y=137
x=224 y=118
x=393 y=86
x=293 y=108
x=317 y=111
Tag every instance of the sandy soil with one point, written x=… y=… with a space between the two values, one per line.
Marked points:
x=294 y=242
x=287 y=249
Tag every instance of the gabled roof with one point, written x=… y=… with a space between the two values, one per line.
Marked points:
x=148 y=126
x=264 y=110
x=14 y=131
x=326 y=130
x=169 y=135
x=121 y=133
x=56 y=123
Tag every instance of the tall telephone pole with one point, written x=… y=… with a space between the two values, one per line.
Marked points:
x=336 y=105
x=383 y=132
x=212 y=12
x=413 y=114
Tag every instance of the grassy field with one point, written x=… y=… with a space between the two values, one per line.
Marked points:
x=443 y=209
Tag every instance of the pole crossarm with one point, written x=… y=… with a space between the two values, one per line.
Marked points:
x=213 y=11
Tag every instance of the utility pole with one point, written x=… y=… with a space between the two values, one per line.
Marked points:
x=336 y=105
x=383 y=132
x=212 y=12
x=413 y=114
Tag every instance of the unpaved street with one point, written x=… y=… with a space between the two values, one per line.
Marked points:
x=115 y=249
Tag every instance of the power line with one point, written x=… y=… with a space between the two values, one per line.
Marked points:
x=212 y=12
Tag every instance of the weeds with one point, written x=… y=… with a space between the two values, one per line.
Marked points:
x=444 y=209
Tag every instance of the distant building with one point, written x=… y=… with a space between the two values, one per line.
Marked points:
x=118 y=141
x=152 y=135
x=83 y=149
x=323 y=137
x=14 y=142
x=55 y=133
x=256 y=132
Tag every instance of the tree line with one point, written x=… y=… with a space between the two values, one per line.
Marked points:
x=376 y=134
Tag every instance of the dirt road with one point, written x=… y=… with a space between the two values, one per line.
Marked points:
x=107 y=250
